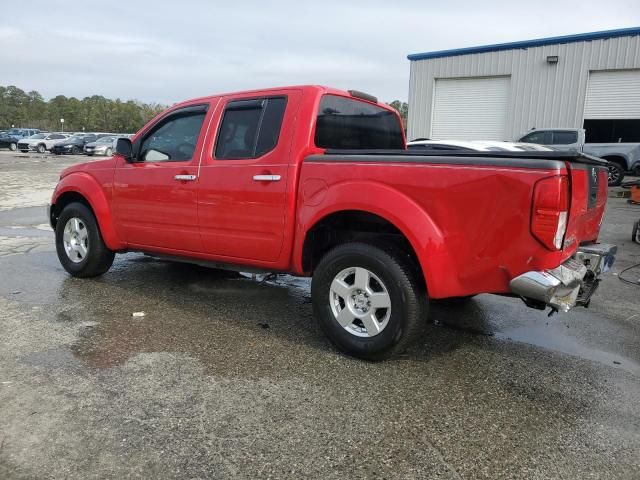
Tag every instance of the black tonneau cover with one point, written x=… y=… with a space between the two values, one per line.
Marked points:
x=415 y=156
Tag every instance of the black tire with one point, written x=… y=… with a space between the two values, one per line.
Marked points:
x=75 y=150
x=41 y=148
x=635 y=233
x=98 y=258
x=408 y=300
x=13 y=146
x=616 y=174
x=109 y=152
x=24 y=151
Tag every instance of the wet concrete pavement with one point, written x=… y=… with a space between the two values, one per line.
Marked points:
x=226 y=376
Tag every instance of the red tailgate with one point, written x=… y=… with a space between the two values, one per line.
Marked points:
x=588 y=183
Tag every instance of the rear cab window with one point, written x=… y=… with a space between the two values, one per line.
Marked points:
x=345 y=123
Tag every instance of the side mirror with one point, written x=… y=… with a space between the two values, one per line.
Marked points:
x=124 y=148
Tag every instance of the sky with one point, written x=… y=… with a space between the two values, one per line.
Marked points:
x=164 y=52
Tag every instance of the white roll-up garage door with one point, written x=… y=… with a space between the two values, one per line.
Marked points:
x=613 y=95
x=470 y=108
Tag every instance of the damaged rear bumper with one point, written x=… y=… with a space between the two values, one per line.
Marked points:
x=568 y=285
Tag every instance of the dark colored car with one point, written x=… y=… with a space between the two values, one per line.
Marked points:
x=10 y=138
x=74 y=144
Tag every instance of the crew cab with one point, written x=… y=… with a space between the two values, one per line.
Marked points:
x=315 y=181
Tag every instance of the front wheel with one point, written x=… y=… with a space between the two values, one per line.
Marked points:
x=109 y=152
x=616 y=174
x=79 y=244
x=41 y=148
x=368 y=302
x=75 y=150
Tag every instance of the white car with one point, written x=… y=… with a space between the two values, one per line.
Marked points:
x=40 y=142
x=473 y=146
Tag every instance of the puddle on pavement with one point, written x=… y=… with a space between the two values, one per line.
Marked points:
x=212 y=315
x=553 y=339
x=483 y=316
x=219 y=317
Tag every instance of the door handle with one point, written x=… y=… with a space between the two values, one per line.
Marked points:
x=185 y=178
x=266 y=178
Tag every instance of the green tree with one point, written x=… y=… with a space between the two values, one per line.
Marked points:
x=403 y=110
x=95 y=113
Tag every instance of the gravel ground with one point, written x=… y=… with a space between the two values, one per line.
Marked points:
x=228 y=377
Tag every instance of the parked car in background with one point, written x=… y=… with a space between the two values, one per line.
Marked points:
x=622 y=157
x=11 y=138
x=473 y=146
x=75 y=144
x=102 y=146
x=40 y=142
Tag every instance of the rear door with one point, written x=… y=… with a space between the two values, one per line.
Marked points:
x=154 y=197
x=243 y=177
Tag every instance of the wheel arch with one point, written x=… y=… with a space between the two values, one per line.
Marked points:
x=394 y=215
x=82 y=188
x=616 y=158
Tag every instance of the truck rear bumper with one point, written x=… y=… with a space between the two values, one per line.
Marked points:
x=568 y=285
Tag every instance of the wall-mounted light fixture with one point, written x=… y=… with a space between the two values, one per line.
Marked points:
x=552 y=59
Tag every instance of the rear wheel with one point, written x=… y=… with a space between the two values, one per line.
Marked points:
x=616 y=174
x=369 y=303
x=24 y=151
x=13 y=146
x=79 y=244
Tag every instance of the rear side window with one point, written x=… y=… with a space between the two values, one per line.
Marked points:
x=541 y=138
x=564 y=138
x=250 y=128
x=344 y=123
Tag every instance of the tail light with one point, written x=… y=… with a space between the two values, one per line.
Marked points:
x=550 y=211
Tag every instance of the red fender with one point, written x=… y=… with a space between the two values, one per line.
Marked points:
x=424 y=236
x=90 y=189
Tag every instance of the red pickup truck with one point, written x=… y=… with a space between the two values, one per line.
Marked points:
x=317 y=182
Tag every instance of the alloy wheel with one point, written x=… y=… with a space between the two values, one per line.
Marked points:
x=76 y=240
x=360 y=302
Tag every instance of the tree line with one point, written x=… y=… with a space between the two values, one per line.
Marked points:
x=93 y=114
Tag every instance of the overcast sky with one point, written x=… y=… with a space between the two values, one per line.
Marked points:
x=164 y=52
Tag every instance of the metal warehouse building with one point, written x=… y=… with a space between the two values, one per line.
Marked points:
x=497 y=92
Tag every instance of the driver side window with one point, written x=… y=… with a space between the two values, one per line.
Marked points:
x=174 y=139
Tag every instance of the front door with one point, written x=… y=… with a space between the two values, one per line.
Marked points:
x=155 y=195
x=243 y=177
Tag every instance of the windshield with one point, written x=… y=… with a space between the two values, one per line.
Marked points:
x=38 y=135
x=105 y=140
